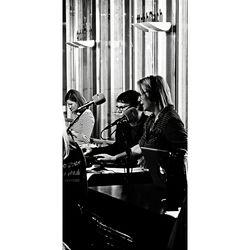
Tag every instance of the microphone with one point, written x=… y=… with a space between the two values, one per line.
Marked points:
x=96 y=99
x=130 y=115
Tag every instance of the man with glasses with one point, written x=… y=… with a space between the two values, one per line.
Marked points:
x=127 y=134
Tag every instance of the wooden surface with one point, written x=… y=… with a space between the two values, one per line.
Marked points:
x=112 y=178
x=143 y=196
x=135 y=209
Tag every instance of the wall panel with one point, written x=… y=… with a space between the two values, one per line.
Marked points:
x=123 y=54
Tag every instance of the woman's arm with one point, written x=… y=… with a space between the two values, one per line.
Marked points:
x=88 y=123
x=80 y=137
x=135 y=150
x=83 y=128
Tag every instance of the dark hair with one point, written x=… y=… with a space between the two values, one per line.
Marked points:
x=75 y=96
x=157 y=89
x=131 y=97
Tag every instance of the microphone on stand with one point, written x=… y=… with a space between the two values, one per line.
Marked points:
x=130 y=115
x=96 y=99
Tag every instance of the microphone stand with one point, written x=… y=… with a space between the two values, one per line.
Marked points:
x=128 y=153
x=73 y=122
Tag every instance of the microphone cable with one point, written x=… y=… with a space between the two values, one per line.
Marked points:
x=110 y=134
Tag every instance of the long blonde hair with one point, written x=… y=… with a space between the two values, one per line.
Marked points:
x=157 y=89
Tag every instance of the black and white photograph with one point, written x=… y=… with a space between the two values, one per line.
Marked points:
x=125 y=125
x=125 y=108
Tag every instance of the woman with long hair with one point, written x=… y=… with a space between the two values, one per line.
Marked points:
x=163 y=130
x=82 y=129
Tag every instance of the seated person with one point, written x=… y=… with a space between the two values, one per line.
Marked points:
x=127 y=134
x=83 y=127
x=74 y=194
x=164 y=130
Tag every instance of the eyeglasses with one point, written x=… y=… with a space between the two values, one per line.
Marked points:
x=121 y=108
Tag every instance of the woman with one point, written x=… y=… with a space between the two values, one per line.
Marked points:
x=127 y=134
x=82 y=129
x=163 y=128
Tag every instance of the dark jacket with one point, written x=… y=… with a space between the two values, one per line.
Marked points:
x=126 y=136
x=166 y=133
